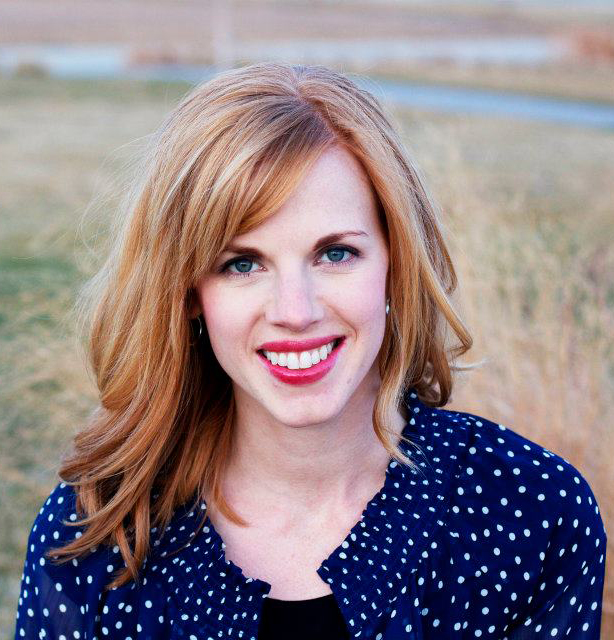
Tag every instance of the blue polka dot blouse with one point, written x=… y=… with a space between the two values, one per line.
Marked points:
x=493 y=537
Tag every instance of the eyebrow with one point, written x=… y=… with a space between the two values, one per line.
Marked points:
x=322 y=242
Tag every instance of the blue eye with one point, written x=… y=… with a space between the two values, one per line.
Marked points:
x=337 y=249
x=241 y=260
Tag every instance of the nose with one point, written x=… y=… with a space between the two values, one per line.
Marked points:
x=295 y=303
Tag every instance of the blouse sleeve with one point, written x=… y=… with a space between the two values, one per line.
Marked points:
x=574 y=613
x=49 y=606
x=567 y=600
x=43 y=610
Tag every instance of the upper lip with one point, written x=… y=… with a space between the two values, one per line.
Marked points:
x=297 y=345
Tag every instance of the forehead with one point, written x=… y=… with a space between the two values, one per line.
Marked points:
x=334 y=194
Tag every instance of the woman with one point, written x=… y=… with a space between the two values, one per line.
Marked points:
x=269 y=458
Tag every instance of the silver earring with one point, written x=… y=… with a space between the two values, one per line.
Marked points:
x=387 y=306
x=200 y=331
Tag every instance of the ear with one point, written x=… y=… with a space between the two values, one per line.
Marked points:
x=193 y=304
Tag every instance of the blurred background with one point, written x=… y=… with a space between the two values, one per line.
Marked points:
x=507 y=106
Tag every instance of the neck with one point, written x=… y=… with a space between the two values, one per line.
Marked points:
x=311 y=469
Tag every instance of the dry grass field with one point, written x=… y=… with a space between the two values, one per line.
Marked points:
x=529 y=212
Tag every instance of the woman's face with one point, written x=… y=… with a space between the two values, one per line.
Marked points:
x=283 y=282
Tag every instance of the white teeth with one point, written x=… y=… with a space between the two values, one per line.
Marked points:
x=302 y=359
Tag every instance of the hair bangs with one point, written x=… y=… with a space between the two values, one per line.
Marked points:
x=278 y=150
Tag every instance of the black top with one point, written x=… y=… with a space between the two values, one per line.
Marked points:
x=302 y=619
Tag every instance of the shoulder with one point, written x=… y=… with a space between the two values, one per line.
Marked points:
x=516 y=469
x=52 y=525
x=515 y=494
x=57 y=509
x=50 y=528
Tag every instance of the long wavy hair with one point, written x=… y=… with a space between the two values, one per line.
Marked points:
x=226 y=159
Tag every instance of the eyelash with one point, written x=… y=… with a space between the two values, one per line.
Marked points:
x=224 y=269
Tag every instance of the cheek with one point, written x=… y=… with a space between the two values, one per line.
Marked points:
x=226 y=317
x=365 y=299
x=358 y=307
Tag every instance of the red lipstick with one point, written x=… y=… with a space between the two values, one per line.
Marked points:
x=303 y=376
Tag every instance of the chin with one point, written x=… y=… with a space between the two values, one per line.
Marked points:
x=301 y=412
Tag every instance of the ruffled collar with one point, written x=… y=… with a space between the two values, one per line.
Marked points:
x=369 y=568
